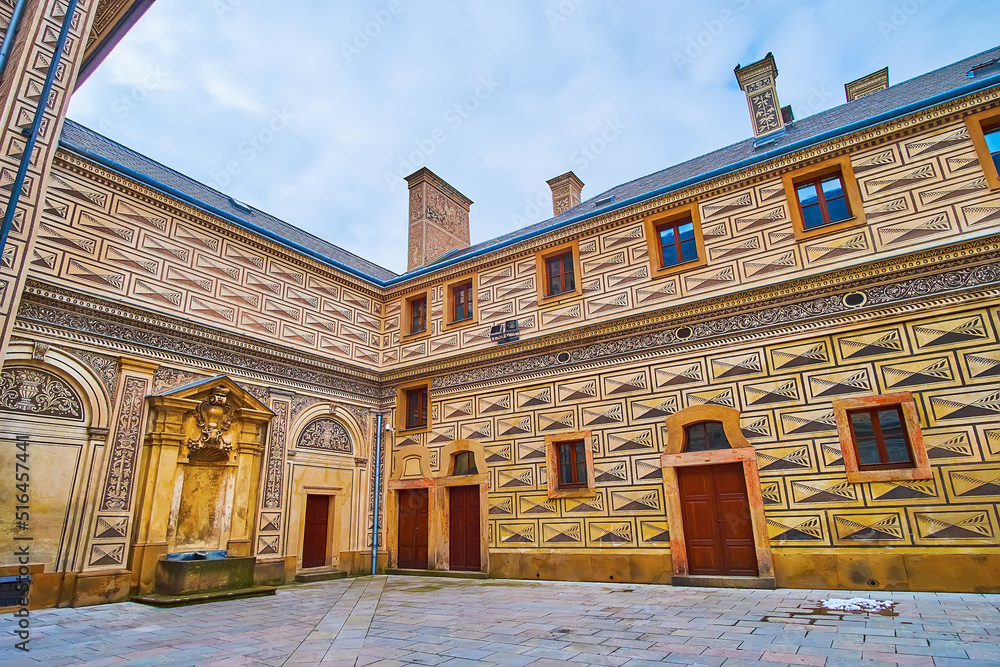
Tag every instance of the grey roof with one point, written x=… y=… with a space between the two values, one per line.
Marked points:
x=895 y=97
x=77 y=138
x=899 y=99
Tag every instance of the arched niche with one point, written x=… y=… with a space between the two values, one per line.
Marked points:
x=80 y=380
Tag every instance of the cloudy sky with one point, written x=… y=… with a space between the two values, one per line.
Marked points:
x=314 y=112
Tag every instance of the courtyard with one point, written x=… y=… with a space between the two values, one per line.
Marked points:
x=434 y=621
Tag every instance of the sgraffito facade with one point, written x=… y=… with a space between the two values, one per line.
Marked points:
x=188 y=373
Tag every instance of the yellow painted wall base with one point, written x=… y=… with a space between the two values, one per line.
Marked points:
x=568 y=566
x=958 y=572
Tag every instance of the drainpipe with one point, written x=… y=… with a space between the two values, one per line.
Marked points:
x=377 y=474
x=8 y=39
x=36 y=124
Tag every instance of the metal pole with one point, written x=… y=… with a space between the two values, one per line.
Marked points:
x=8 y=39
x=36 y=124
x=377 y=479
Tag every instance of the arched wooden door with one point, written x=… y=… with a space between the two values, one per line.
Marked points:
x=717 y=525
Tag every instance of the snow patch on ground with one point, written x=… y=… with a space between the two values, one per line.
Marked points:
x=857 y=604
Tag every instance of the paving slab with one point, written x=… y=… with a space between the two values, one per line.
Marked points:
x=403 y=620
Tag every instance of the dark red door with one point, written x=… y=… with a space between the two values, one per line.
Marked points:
x=413 y=529
x=314 y=542
x=716 y=515
x=464 y=528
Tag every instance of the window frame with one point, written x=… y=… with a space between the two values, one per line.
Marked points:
x=402 y=407
x=919 y=466
x=822 y=201
x=978 y=124
x=447 y=321
x=541 y=272
x=792 y=180
x=584 y=489
x=654 y=248
x=406 y=315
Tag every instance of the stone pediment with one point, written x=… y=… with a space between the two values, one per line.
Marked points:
x=201 y=390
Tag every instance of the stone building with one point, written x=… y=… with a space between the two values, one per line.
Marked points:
x=775 y=364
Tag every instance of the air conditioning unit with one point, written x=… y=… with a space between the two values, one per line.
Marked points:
x=506 y=332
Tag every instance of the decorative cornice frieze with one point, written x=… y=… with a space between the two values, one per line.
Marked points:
x=934 y=260
x=828 y=311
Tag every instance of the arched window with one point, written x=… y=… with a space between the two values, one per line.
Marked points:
x=703 y=436
x=465 y=463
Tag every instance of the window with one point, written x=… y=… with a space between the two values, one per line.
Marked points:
x=880 y=438
x=822 y=201
x=416 y=408
x=558 y=272
x=572 y=464
x=418 y=315
x=705 y=436
x=993 y=145
x=823 y=198
x=415 y=315
x=984 y=130
x=569 y=462
x=461 y=296
x=559 y=277
x=677 y=242
x=465 y=464
x=674 y=242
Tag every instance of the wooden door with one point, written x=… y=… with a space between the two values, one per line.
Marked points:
x=412 y=529
x=716 y=515
x=464 y=528
x=317 y=520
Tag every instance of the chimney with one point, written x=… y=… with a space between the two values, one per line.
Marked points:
x=566 y=191
x=439 y=218
x=867 y=85
x=757 y=81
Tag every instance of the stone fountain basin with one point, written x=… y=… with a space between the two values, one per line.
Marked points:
x=177 y=576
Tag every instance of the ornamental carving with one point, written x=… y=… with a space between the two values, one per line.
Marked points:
x=38 y=392
x=125 y=446
x=276 y=455
x=328 y=434
x=214 y=417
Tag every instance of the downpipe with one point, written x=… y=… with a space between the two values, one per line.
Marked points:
x=377 y=475
x=36 y=124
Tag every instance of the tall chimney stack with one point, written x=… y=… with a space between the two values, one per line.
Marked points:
x=439 y=218
x=566 y=191
x=757 y=81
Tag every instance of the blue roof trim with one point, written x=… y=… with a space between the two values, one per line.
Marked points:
x=510 y=239
x=736 y=166
x=218 y=212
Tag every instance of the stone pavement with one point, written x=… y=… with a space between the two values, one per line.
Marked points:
x=429 y=621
